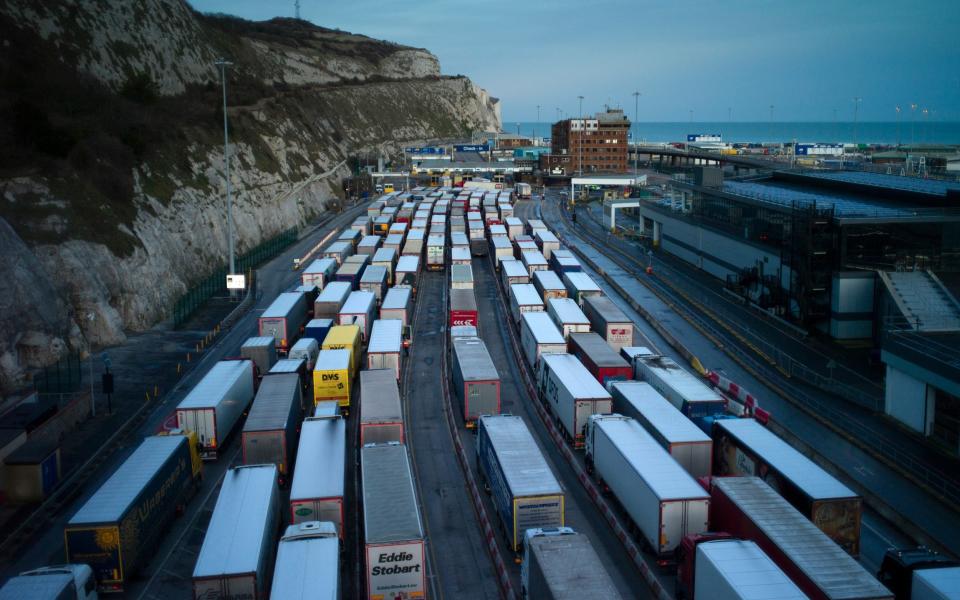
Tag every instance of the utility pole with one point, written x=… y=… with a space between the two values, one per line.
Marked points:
x=582 y=132
x=856 y=109
x=223 y=64
x=636 y=112
x=898 y=125
x=296 y=9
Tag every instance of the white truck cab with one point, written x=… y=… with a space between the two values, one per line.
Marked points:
x=58 y=582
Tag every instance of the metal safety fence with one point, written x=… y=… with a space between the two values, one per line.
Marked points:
x=216 y=282
x=63 y=377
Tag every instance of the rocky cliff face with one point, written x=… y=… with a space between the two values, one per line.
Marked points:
x=111 y=186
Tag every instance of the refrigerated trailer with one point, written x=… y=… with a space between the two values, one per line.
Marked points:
x=369 y=244
x=270 y=432
x=262 y=350
x=408 y=267
x=393 y=534
x=549 y=285
x=745 y=447
x=436 y=252
x=381 y=414
x=339 y=250
x=461 y=277
x=397 y=304
x=385 y=350
x=386 y=258
x=733 y=569
x=306 y=349
x=523 y=299
x=316 y=492
x=513 y=272
x=748 y=508
x=568 y=316
x=284 y=319
x=547 y=242
x=351 y=272
x=563 y=261
x=214 y=406
x=539 y=336
x=476 y=383
x=580 y=286
x=514 y=227
x=118 y=528
x=599 y=358
x=572 y=394
x=690 y=395
x=460 y=256
x=533 y=260
x=525 y=492
x=663 y=501
x=501 y=247
x=684 y=441
x=359 y=309
x=609 y=321
x=561 y=564
x=308 y=565
x=463 y=308
x=236 y=557
x=331 y=299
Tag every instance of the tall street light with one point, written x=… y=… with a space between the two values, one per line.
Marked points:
x=856 y=110
x=898 y=125
x=223 y=64
x=580 y=143
x=636 y=112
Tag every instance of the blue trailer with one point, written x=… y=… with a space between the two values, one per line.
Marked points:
x=318 y=329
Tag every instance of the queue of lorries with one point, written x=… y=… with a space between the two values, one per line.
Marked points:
x=738 y=511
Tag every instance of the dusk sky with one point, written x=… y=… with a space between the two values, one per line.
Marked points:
x=806 y=58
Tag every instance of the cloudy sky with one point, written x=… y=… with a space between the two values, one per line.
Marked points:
x=807 y=58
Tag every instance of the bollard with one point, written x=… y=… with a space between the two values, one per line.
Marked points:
x=156 y=390
x=178 y=368
x=188 y=357
x=147 y=396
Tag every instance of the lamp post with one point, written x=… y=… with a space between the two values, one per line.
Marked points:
x=580 y=138
x=856 y=110
x=93 y=401
x=223 y=64
x=898 y=125
x=636 y=112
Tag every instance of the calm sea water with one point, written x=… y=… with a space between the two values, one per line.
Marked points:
x=920 y=132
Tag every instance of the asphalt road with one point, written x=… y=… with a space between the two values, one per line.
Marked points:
x=877 y=534
x=172 y=563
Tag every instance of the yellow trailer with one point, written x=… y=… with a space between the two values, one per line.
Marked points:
x=332 y=378
x=346 y=337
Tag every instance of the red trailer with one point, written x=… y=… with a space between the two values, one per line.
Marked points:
x=599 y=358
x=463 y=307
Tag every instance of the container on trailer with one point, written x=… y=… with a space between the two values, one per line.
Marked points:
x=235 y=561
x=533 y=260
x=547 y=242
x=501 y=248
x=319 y=272
x=394 y=242
x=549 y=285
x=284 y=319
x=609 y=321
x=369 y=244
x=690 y=395
x=580 y=286
x=461 y=277
x=359 y=309
x=561 y=564
x=514 y=227
x=350 y=236
x=374 y=280
x=523 y=299
x=307 y=350
x=684 y=441
x=739 y=570
x=538 y=336
x=459 y=331
x=476 y=382
x=308 y=564
x=745 y=447
x=748 y=508
x=459 y=240
x=116 y=530
x=664 y=502
x=463 y=308
x=407 y=269
x=331 y=299
x=351 y=272
x=270 y=433
x=327 y=408
x=332 y=376
x=339 y=250
x=385 y=350
x=435 y=252
x=599 y=358
x=525 y=492
x=393 y=534
x=563 y=261
x=397 y=304
x=345 y=337
x=317 y=329
x=381 y=414
x=386 y=258
x=262 y=350
x=568 y=316
x=460 y=256
x=214 y=406
x=319 y=480
x=566 y=386
x=513 y=272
